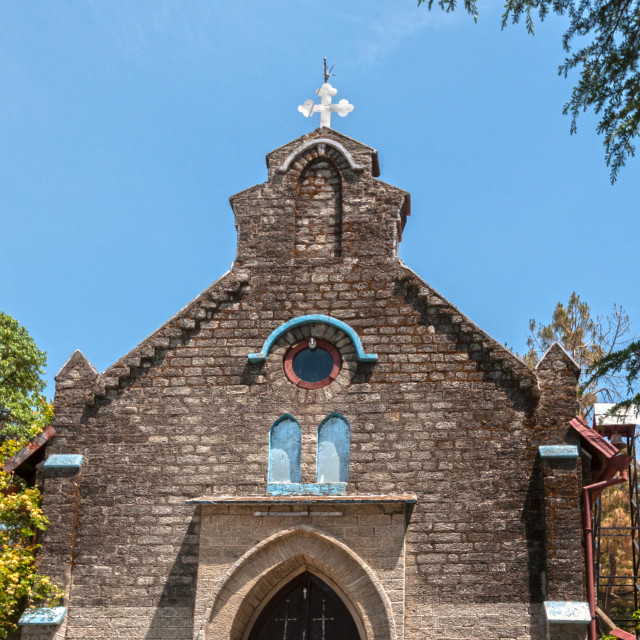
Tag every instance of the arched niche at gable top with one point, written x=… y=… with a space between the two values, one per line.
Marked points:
x=324 y=148
x=318 y=210
x=250 y=584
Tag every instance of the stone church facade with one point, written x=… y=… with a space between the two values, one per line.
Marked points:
x=319 y=413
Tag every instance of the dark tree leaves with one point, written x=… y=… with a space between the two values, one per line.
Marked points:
x=623 y=361
x=608 y=37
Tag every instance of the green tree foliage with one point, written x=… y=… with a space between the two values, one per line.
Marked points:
x=24 y=411
x=608 y=37
x=623 y=363
x=587 y=340
x=21 y=385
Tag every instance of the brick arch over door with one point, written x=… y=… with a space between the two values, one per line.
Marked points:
x=256 y=577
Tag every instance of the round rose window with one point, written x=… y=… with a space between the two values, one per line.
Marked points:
x=312 y=363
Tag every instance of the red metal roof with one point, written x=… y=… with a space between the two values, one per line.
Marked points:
x=592 y=440
x=623 y=635
x=29 y=449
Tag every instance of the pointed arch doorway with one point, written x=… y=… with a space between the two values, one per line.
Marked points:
x=306 y=608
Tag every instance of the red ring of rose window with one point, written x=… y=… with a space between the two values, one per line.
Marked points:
x=303 y=365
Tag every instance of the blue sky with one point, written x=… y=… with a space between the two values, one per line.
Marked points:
x=126 y=126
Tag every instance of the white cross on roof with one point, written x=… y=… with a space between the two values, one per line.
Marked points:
x=325 y=108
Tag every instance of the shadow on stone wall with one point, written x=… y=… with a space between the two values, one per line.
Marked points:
x=514 y=377
x=533 y=519
x=173 y=617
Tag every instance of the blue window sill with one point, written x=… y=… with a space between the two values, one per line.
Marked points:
x=563 y=451
x=567 y=612
x=64 y=461
x=307 y=489
x=44 y=615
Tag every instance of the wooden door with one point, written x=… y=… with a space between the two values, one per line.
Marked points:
x=305 y=609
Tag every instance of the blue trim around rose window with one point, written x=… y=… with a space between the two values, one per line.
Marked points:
x=312 y=319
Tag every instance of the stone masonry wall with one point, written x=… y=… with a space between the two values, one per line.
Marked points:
x=445 y=413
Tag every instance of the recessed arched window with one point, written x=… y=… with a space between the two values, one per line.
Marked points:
x=334 y=441
x=285 y=445
x=312 y=363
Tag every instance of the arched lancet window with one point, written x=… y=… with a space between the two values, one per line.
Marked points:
x=334 y=441
x=285 y=445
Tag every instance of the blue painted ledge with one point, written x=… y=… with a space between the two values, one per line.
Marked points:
x=569 y=612
x=45 y=615
x=311 y=319
x=567 y=451
x=64 y=461
x=306 y=489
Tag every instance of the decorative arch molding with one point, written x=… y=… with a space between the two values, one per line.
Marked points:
x=251 y=581
x=321 y=143
x=311 y=319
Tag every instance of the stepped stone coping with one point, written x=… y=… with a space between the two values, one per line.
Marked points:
x=567 y=451
x=408 y=498
x=567 y=612
x=44 y=615
x=64 y=461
